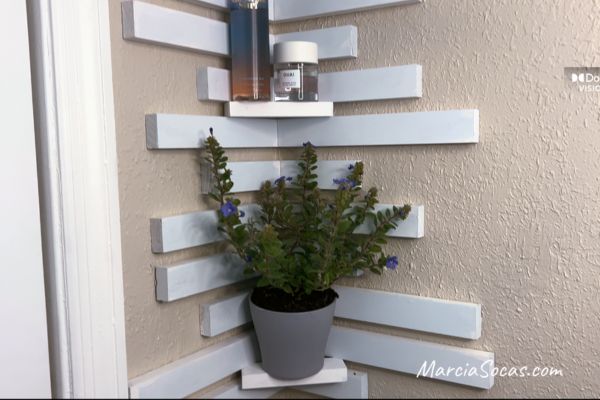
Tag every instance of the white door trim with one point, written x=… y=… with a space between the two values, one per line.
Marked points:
x=75 y=129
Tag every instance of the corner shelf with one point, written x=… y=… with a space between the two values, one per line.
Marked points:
x=282 y=109
x=255 y=377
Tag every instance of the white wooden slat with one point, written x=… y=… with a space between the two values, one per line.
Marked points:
x=224 y=315
x=411 y=228
x=197 y=371
x=291 y=10
x=200 y=228
x=280 y=109
x=337 y=43
x=409 y=355
x=189 y=230
x=168 y=131
x=235 y=391
x=255 y=377
x=356 y=387
x=402 y=82
x=249 y=176
x=436 y=127
x=443 y=317
x=213 y=84
x=198 y=276
x=148 y=23
x=222 y=5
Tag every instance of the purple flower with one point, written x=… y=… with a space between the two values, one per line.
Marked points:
x=289 y=179
x=345 y=183
x=228 y=209
x=248 y=259
x=242 y=214
x=305 y=144
x=279 y=180
x=391 y=262
x=350 y=167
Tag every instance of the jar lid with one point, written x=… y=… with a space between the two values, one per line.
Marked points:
x=296 y=52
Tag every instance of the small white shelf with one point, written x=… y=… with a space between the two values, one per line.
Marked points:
x=334 y=371
x=282 y=109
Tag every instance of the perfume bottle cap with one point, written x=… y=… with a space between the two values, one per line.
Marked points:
x=296 y=52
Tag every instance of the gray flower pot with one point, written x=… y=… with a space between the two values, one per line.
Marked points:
x=292 y=345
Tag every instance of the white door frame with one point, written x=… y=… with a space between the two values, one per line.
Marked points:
x=77 y=167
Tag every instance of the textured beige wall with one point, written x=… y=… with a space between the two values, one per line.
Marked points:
x=512 y=223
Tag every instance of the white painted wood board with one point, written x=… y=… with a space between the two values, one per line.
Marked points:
x=336 y=43
x=435 y=127
x=149 y=23
x=189 y=230
x=413 y=227
x=200 y=228
x=198 y=276
x=405 y=81
x=356 y=387
x=249 y=176
x=409 y=355
x=169 y=131
x=425 y=314
x=223 y=315
x=280 y=109
x=197 y=371
x=442 y=317
x=401 y=82
x=291 y=10
x=166 y=131
x=235 y=391
x=255 y=377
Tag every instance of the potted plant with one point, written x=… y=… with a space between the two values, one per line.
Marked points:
x=300 y=244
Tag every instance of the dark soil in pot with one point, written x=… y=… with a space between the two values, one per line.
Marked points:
x=274 y=299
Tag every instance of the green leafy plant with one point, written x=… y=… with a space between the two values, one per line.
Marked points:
x=303 y=239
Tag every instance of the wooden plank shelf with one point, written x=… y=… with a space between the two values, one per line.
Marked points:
x=436 y=316
x=249 y=176
x=255 y=377
x=184 y=231
x=409 y=355
x=401 y=82
x=148 y=23
x=281 y=109
x=355 y=387
x=168 y=131
x=292 y=10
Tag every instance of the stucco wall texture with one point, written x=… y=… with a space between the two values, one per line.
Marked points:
x=512 y=223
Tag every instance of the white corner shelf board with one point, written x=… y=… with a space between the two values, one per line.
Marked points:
x=291 y=10
x=249 y=176
x=424 y=314
x=355 y=387
x=281 y=109
x=148 y=23
x=190 y=374
x=200 y=228
x=408 y=355
x=401 y=82
x=168 y=131
x=255 y=377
